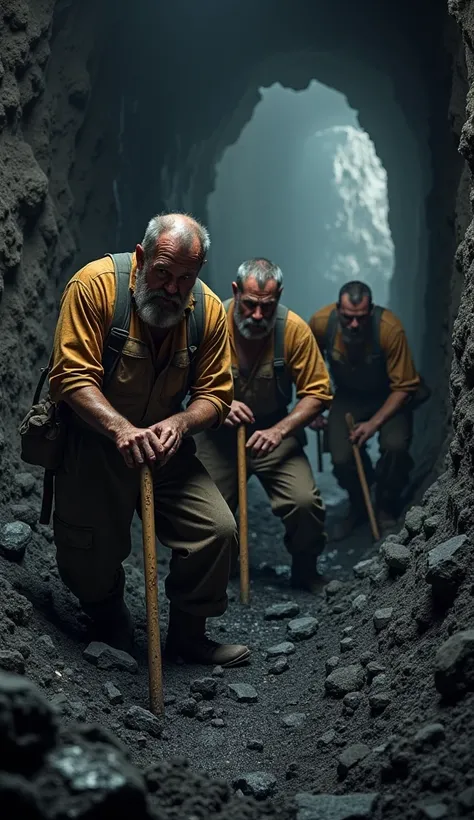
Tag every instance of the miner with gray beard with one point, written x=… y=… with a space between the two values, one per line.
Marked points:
x=137 y=417
x=272 y=351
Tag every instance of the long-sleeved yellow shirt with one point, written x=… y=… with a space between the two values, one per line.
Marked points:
x=401 y=371
x=302 y=357
x=148 y=378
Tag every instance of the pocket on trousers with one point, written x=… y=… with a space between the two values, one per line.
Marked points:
x=70 y=536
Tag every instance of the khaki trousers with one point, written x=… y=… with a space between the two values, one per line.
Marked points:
x=96 y=495
x=393 y=468
x=286 y=477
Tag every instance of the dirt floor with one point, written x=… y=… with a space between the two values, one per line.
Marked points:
x=295 y=730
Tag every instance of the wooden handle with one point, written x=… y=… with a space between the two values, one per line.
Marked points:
x=243 y=518
x=151 y=588
x=363 y=481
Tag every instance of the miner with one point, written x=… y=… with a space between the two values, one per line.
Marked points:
x=375 y=380
x=118 y=421
x=272 y=350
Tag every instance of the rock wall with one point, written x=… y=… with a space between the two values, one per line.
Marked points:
x=58 y=143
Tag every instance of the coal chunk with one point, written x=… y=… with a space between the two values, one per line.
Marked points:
x=257 y=784
x=284 y=648
x=207 y=687
x=279 y=665
x=454 y=665
x=335 y=806
x=294 y=721
x=277 y=612
x=447 y=567
x=300 y=629
x=397 y=557
x=345 y=679
x=143 y=721
x=382 y=617
x=350 y=757
x=243 y=692
x=112 y=693
x=106 y=657
x=28 y=725
x=414 y=520
x=429 y=736
x=11 y=660
x=14 y=539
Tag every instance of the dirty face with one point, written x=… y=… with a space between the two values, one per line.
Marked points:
x=255 y=308
x=355 y=320
x=163 y=283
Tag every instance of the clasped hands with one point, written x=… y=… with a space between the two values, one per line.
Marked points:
x=150 y=445
x=261 y=442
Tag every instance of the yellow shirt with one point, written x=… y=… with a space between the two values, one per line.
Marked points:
x=85 y=317
x=301 y=354
x=393 y=342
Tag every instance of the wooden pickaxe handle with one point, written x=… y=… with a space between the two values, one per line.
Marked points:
x=151 y=589
x=243 y=515
x=363 y=481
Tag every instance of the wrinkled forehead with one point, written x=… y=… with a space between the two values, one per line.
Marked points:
x=172 y=250
x=252 y=290
x=362 y=309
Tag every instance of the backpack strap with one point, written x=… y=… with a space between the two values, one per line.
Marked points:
x=195 y=328
x=330 y=333
x=120 y=326
x=284 y=382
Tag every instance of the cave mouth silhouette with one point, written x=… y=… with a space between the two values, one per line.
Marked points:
x=303 y=186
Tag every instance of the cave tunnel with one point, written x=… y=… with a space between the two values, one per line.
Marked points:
x=336 y=139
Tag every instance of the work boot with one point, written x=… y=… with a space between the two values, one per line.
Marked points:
x=305 y=575
x=187 y=641
x=342 y=529
x=111 y=623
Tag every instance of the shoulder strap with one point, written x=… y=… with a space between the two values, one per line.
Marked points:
x=376 y=319
x=283 y=380
x=330 y=333
x=120 y=326
x=196 y=319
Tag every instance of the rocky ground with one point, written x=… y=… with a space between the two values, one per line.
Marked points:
x=366 y=689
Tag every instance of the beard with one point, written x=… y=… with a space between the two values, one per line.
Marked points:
x=156 y=307
x=354 y=338
x=249 y=328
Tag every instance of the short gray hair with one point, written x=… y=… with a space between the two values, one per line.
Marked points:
x=263 y=270
x=181 y=225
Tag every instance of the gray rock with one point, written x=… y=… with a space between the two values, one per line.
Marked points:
x=346 y=644
x=379 y=681
x=335 y=806
x=327 y=738
x=188 y=707
x=367 y=657
x=433 y=811
x=168 y=700
x=345 y=679
x=279 y=665
x=367 y=569
x=374 y=668
x=207 y=687
x=294 y=721
x=11 y=660
x=397 y=557
x=14 y=539
x=47 y=645
x=447 y=567
x=359 y=603
x=218 y=723
x=382 y=617
x=331 y=664
x=379 y=701
x=350 y=757
x=243 y=693
x=352 y=700
x=431 y=524
x=284 y=648
x=255 y=745
x=112 y=693
x=429 y=735
x=257 y=784
x=466 y=798
x=218 y=672
x=25 y=512
x=143 y=721
x=347 y=630
x=300 y=629
x=454 y=665
x=106 y=657
x=333 y=588
x=414 y=520
x=277 y=612
x=205 y=711
x=26 y=482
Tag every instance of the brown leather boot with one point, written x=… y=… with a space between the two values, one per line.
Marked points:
x=305 y=575
x=343 y=528
x=187 y=641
